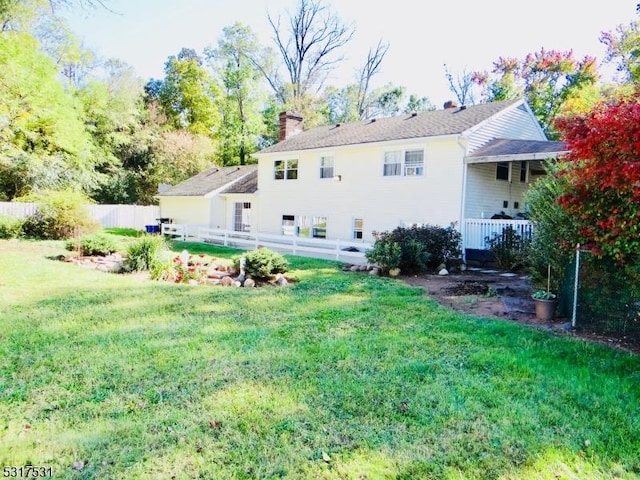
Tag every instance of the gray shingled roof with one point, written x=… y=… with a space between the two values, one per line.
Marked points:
x=210 y=180
x=424 y=124
x=247 y=184
x=505 y=147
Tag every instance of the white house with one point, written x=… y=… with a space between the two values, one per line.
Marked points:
x=459 y=165
x=349 y=180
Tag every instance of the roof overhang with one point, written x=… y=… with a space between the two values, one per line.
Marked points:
x=519 y=157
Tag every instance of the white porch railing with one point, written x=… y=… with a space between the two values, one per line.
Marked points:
x=477 y=230
x=310 y=247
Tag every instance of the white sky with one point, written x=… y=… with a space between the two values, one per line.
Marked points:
x=465 y=34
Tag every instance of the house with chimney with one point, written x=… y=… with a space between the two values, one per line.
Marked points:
x=461 y=165
x=455 y=165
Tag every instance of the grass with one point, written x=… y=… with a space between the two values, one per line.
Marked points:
x=339 y=376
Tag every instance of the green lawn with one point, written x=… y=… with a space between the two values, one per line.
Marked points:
x=337 y=376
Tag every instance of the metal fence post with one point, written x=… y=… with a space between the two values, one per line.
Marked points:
x=575 y=287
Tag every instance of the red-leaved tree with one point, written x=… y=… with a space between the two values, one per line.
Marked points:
x=604 y=177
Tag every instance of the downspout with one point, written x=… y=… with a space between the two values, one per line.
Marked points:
x=464 y=196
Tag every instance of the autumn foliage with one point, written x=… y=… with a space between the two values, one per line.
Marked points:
x=604 y=177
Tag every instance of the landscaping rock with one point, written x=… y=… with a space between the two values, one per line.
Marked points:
x=281 y=281
x=249 y=283
x=443 y=272
x=226 y=281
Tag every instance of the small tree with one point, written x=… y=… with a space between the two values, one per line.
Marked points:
x=59 y=215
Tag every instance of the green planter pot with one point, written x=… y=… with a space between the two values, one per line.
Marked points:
x=545 y=309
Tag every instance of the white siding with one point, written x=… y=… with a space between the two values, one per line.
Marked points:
x=515 y=123
x=363 y=192
x=186 y=210
x=485 y=194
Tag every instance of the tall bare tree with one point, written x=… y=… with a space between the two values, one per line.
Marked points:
x=370 y=68
x=309 y=44
x=461 y=86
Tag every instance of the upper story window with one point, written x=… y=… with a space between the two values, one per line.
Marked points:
x=285 y=170
x=326 y=167
x=392 y=164
x=414 y=162
x=407 y=163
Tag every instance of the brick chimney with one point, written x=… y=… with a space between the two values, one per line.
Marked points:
x=290 y=125
x=450 y=104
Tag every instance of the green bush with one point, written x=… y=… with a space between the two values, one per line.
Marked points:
x=97 y=244
x=510 y=250
x=262 y=263
x=145 y=252
x=423 y=248
x=386 y=252
x=60 y=215
x=10 y=227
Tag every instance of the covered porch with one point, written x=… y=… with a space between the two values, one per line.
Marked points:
x=497 y=177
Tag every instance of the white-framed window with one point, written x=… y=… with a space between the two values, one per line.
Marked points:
x=502 y=171
x=413 y=162
x=288 y=225
x=408 y=163
x=358 y=223
x=326 y=167
x=304 y=226
x=392 y=164
x=319 y=227
x=285 y=170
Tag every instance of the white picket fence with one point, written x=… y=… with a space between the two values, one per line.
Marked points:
x=477 y=230
x=109 y=216
x=340 y=250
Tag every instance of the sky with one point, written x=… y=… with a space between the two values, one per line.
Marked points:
x=466 y=35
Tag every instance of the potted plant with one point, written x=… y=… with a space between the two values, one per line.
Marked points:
x=545 y=301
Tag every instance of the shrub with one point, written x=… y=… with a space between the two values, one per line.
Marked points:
x=423 y=247
x=386 y=252
x=93 y=245
x=145 y=252
x=262 y=263
x=10 y=227
x=60 y=215
x=509 y=249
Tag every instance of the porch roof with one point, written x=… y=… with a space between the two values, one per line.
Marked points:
x=510 y=150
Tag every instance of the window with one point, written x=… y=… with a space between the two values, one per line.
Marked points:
x=414 y=162
x=409 y=163
x=319 y=229
x=502 y=171
x=392 y=164
x=326 y=167
x=288 y=225
x=242 y=217
x=523 y=172
x=357 y=228
x=285 y=170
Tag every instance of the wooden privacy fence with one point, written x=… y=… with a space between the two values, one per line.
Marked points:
x=341 y=250
x=109 y=216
